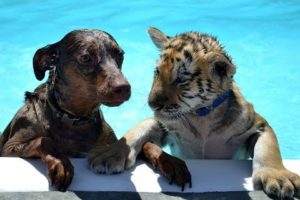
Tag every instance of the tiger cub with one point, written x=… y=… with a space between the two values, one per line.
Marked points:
x=201 y=114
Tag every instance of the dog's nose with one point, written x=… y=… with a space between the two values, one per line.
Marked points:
x=122 y=90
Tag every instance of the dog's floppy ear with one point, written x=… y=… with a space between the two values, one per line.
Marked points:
x=158 y=37
x=44 y=59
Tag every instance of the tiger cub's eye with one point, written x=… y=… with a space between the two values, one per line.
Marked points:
x=179 y=80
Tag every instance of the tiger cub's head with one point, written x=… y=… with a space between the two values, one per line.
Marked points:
x=192 y=71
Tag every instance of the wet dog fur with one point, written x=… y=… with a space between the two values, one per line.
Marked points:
x=61 y=118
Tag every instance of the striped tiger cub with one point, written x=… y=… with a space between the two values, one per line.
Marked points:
x=200 y=113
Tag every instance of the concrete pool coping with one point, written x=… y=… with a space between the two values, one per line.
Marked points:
x=212 y=179
x=54 y=195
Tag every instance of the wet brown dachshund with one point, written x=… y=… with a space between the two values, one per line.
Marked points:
x=61 y=117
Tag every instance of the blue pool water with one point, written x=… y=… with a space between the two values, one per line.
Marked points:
x=261 y=36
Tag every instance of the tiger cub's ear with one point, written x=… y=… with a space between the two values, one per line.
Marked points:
x=159 y=38
x=221 y=68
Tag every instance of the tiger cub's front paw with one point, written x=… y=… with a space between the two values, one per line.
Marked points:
x=111 y=159
x=277 y=183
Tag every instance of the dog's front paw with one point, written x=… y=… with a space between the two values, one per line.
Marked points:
x=111 y=159
x=60 y=171
x=174 y=169
x=277 y=183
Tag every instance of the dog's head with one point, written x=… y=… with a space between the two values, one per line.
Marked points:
x=87 y=63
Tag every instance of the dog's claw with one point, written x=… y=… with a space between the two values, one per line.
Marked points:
x=60 y=172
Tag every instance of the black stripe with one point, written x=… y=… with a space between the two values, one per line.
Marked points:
x=204 y=98
x=188 y=96
x=188 y=56
x=165 y=133
x=180 y=99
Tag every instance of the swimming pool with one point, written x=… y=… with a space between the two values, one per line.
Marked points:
x=261 y=36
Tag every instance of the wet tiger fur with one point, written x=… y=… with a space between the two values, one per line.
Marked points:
x=201 y=114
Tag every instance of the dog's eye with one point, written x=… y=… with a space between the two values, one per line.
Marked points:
x=85 y=59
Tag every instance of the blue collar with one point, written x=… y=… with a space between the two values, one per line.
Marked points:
x=218 y=101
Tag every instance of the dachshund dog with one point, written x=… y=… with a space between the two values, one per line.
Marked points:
x=61 y=117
